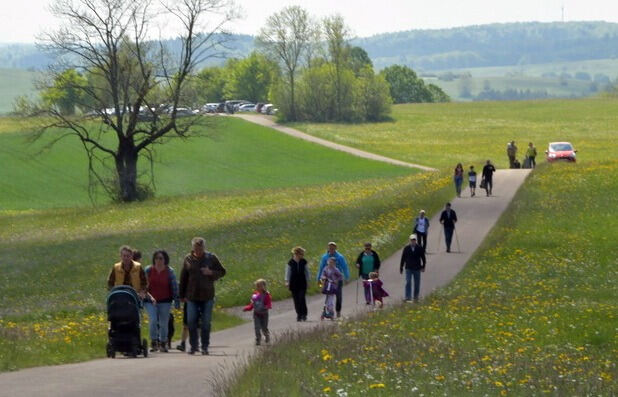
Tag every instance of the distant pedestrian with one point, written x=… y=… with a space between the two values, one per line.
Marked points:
x=261 y=303
x=342 y=265
x=531 y=155
x=297 y=279
x=376 y=290
x=421 y=228
x=200 y=270
x=162 y=292
x=413 y=260
x=448 y=218
x=331 y=279
x=458 y=178
x=488 y=177
x=472 y=181
x=367 y=262
x=511 y=152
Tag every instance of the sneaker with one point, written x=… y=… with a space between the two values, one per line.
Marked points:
x=205 y=352
x=154 y=346
x=257 y=343
x=267 y=339
x=338 y=314
x=192 y=352
x=181 y=347
x=163 y=349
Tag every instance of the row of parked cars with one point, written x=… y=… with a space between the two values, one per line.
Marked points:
x=237 y=105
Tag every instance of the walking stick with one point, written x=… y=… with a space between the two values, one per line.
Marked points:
x=457 y=239
x=357 y=290
x=371 y=293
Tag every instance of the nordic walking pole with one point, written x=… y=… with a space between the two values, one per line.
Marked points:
x=357 y=290
x=457 y=239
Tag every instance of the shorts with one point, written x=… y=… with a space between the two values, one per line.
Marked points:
x=473 y=184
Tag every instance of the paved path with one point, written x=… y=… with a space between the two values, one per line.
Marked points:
x=270 y=123
x=179 y=374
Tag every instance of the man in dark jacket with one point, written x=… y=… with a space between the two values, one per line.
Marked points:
x=200 y=270
x=448 y=218
x=413 y=258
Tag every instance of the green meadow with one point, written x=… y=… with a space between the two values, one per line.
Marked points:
x=14 y=83
x=231 y=155
x=441 y=135
x=533 y=313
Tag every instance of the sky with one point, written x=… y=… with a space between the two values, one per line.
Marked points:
x=22 y=20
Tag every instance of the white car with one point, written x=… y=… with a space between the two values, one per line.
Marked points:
x=247 y=107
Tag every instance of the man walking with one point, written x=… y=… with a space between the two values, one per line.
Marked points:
x=128 y=272
x=200 y=270
x=448 y=218
x=421 y=228
x=511 y=152
x=488 y=175
x=413 y=259
x=342 y=265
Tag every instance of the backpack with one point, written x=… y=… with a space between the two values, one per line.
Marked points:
x=259 y=303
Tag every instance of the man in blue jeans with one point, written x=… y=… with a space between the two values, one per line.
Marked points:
x=200 y=270
x=413 y=258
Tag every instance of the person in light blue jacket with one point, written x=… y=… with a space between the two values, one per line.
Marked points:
x=342 y=265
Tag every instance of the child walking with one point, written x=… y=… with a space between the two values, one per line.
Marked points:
x=261 y=302
x=374 y=284
x=472 y=181
x=330 y=278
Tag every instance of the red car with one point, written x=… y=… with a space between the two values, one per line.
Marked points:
x=560 y=151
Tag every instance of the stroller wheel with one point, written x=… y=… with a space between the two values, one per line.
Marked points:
x=145 y=347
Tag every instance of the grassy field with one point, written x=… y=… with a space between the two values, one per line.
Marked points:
x=55 y=262
x=14 y=83
x=235 y=156
x=441 y=135
x=533 y=313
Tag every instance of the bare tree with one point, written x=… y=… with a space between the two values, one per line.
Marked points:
x=337 y=35
x=287 y=38
x=135 y=83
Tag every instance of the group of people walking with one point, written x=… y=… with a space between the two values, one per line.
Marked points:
x=159 y=288
x=487 y=177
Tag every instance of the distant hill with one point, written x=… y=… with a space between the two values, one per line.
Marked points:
x=494 y=45
x=430 y=50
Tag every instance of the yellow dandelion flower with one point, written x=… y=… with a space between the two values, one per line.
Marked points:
x=377 y=386
x=326 y=389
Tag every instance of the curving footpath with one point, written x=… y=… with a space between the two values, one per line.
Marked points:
x=177 y=373
x=270 y=123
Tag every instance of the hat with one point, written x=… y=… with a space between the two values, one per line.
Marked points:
x=413 y=237
x=422 y=211
x=332 y=243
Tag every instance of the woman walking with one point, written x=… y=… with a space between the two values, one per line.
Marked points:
x=297 y=279
x=458 y=177
x=162 y=291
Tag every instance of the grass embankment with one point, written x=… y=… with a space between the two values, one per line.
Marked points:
x=235 y=155
x=533 y=313
x=442 y=135
x=55 y=262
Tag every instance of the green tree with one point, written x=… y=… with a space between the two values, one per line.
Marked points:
x=337 y=34
x=250 y=78
x=374 y=95
x=359 y=59
x=286 y=39
x=211 y=84
x=66 y=93
x=405 y=86
x=437 y=94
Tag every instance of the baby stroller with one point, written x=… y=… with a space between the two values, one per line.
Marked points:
x=123 y=314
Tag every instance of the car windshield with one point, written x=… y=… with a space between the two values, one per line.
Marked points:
x=561 y=147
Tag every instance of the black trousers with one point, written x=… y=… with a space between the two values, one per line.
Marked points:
x=339 y=297
x=422 y=239
x=448 y=236
x=300 y=303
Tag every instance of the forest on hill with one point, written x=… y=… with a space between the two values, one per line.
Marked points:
x=430 y=50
